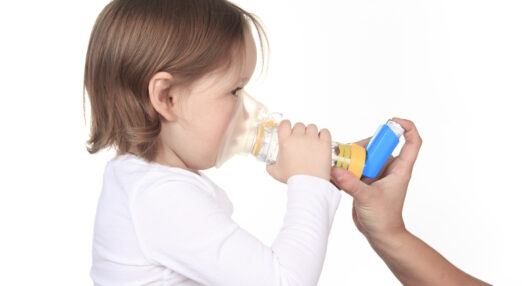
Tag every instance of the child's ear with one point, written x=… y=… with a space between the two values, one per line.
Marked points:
x=161 y=95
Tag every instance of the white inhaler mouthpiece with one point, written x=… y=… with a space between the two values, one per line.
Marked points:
x=252 y=130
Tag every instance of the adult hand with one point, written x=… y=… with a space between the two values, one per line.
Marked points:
x=378 y=203
x=377 y=213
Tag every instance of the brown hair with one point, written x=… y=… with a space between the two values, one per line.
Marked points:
x=134 y=39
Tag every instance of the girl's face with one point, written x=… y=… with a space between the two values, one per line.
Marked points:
x=203 y=117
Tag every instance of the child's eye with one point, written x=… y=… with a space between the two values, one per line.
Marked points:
x=234 y=92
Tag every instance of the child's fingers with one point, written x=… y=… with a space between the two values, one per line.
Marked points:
x=324 y=134
x=311 y=130
x=411 y=147
x=299 y=129
x=284 y=129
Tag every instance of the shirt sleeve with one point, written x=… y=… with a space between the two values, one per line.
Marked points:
x=180 y=226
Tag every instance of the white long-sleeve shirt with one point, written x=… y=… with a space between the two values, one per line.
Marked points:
x=159 y=225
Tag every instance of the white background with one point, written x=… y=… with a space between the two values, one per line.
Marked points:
x=453 y=67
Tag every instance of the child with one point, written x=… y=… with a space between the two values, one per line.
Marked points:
x=162 y=77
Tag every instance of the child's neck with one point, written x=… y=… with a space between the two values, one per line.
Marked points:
x=169 y=158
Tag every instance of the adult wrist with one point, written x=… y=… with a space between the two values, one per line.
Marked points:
x=389 y=240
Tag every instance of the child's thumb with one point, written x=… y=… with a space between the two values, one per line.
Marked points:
x=349 y=183
x=271 y=170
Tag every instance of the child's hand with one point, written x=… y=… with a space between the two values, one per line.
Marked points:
x=377 y=204
x=302 y=150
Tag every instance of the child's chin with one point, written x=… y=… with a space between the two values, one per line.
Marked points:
x=207 y=165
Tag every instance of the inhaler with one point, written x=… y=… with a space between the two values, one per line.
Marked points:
x=253 y=130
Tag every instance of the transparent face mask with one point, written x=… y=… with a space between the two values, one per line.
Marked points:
x=253 y=130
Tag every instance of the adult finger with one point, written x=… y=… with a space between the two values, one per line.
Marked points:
x=349 y=183
x=411 y=147
x=363 y=142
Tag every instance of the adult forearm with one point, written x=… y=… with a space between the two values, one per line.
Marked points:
x=414 y=262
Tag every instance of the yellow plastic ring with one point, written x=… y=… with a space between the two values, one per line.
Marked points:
x=260 y=134
x=357 y=160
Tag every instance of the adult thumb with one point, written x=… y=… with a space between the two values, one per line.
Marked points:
x=349 y=183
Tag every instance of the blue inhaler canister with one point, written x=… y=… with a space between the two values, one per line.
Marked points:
x=381 y=147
